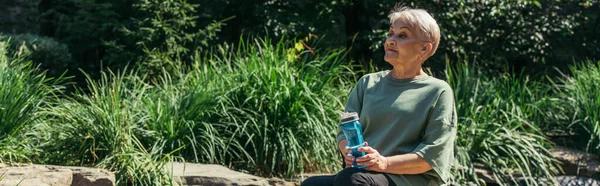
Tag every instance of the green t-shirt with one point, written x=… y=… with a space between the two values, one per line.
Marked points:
x=401 y=116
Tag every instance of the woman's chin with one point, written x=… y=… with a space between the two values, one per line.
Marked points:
x=390 y=57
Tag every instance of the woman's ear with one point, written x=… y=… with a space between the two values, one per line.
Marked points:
x=426 y=49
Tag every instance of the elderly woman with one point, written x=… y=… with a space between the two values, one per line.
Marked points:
x=408 y=116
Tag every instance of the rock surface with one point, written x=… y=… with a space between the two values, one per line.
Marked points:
x=575 y=162
x=34 y=175
x=576 y=181
x=49 y=175
x=83 y=176
x=217 y=175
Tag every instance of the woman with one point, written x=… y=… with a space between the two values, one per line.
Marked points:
x=408 y=117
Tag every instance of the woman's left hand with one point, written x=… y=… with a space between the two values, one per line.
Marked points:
x=373 y=160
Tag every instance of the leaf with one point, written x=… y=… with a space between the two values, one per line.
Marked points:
x=299 y=46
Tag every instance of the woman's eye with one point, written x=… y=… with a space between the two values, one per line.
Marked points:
x=402 y=35
x=389 y=34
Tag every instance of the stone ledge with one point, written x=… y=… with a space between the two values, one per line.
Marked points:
x=577 y=163
x=217 y=175
x=50 y=175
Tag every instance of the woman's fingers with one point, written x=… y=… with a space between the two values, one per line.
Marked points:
x=349 y=159
x=367 y=149
x=366 y=158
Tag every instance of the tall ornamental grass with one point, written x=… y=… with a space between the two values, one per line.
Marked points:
x=581 y=91
x=497 y=127
x=24 y=90
x=185 y=115
x=288 y=95
x=98 y=129
x=267 y=109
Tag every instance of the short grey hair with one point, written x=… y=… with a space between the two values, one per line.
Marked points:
x=420 y=20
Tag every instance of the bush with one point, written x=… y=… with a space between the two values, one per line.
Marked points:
x=526 y=33
x=99 y=130
x=153 y=35
x=288 y=95
x=268 y=109
x=498 y=126
x=51 y=55
x=23 y=93
x=581 y=92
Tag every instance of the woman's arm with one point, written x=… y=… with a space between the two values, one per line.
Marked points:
x=407 y=164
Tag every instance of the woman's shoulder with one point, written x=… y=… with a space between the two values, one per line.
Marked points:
x=375 y=75
x=438 y=83
x=372 y=77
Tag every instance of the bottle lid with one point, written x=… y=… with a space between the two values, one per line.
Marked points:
x=348 y=117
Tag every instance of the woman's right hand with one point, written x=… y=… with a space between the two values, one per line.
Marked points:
x=348 y=158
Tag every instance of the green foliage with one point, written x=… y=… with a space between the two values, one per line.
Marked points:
x=46 y=52
x=100 y=129
x=162 y=33
x=289 y=103
x=23 y=92
x=498 y=128
x=151 y=34
x=582 y=92
x=522 y=33
x=536 y=34
x=213 y=112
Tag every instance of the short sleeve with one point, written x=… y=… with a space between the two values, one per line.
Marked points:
x=437 y=147
x=354 y=104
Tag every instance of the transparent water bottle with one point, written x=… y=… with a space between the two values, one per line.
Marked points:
x=353 y=132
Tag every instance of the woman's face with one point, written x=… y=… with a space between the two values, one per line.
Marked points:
x=403 y=46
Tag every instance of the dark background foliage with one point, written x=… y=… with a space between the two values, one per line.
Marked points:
x=525 y=34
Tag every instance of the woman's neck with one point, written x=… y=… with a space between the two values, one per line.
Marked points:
x=403 y=72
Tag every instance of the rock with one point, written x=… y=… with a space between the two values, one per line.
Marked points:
x=280 y=182
x=33 y=175
x=576 y=180
x=84 y=176
x=575 y=162
x=211 y=175
x=50 y=175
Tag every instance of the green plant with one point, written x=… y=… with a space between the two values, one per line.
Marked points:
x=186 y=114
x=287 y=95
x=150 y=34
x=99 y=129
x=581 y=92
x=162 y=35
x=51 y=55
x=23 y=92
x=496 y=128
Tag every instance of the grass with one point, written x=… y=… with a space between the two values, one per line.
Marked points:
x=497 y=127
x=23 y=91
x=580 y=92
x=288 y=102
x=99 y=129
x=213 y=112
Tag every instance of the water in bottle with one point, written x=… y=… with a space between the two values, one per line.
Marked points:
x=353 y=132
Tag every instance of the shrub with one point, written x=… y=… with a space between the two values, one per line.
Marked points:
x=49 y=54
x=582 y=92
x=288 y=95
x=497 y=128
x=23 y=92
x=98 y=129
x=154 y=35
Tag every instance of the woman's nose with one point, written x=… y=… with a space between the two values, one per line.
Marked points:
x=390 y=41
